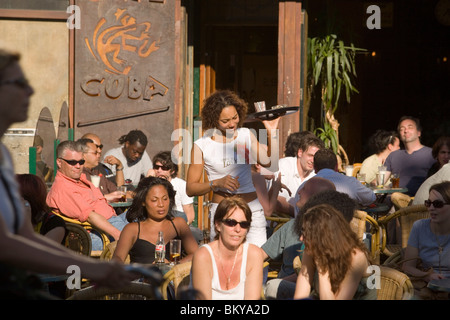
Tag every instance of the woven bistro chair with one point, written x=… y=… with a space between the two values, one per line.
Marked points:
x=400 y=200
x=108 y=252
x=133 y=291
x=408 y=215
x=356 y=168
x=364 y=223
x=394 y=285
x=78 y=239
x=177 y=277
x=89 y=228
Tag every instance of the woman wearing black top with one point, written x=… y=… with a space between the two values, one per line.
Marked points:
x=150 y=213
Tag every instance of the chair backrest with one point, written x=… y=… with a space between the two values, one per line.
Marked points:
x=358 y=223
x=356 y=168
x=179 y=275
x=108 y=252
x=78 y=239
x=417 y=212
x=133 y=291
x=400 y=200
x=394 y=285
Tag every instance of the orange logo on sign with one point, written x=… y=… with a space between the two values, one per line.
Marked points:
x=126 y=35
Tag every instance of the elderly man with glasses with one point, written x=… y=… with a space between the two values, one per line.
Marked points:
x=74 y=196
x=101 y=168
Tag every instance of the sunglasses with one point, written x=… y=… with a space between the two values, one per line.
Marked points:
x=232 y=223
x=100 y=146
x=156 y=167
x=74 y=162
x=21 y=82
x=435 y=203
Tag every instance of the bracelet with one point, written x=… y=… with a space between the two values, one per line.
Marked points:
x=119 y=169
x=212 y=186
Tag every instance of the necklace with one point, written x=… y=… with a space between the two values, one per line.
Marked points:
x=232 y=268
x=440 y=247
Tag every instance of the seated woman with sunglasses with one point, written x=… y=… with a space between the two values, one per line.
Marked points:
x=229 y=268
x=429 y=239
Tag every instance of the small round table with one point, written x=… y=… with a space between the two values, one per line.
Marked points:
x=121 y=204
x=381 y=193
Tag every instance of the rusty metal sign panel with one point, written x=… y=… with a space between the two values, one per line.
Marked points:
x=124 y=73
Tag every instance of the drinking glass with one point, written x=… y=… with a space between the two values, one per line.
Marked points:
x=380 y=179
x=349 y=170
x=395 y=179
x=361 y=178
x=123 y=191
x=175 y=251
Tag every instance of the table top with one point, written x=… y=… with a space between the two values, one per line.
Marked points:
x=440 y=285
x=121 y=204
x=376 y=208
x=388 y=190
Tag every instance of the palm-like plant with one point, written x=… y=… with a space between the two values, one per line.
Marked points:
x=331 y=64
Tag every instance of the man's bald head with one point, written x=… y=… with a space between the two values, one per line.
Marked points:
x=96 y=139
x=312 y=187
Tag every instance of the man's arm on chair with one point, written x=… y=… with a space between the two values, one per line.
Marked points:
x=103 y=224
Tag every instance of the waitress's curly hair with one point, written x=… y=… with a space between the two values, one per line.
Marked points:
x=213 y=105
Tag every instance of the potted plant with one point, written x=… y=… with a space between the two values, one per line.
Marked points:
x=331 y=66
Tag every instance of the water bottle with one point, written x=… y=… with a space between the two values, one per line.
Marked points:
x=160 y=249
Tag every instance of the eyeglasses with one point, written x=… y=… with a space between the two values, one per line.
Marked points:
x=435 y=203
x=21 y=82
x=74 y=162
x=94 y=152
x=156 y=167
x=100 y=146
x=232 y=223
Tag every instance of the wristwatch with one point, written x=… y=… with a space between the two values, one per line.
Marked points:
x=211 y=185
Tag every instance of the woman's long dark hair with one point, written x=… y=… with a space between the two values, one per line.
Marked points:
x=34 y=190
x=137 y=211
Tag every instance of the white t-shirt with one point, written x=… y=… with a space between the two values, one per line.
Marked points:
x=231 y=158
x=181 y=198
x=290 y=177
x=132 y=171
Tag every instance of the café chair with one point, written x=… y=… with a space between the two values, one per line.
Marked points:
x=277 y=219
x=356 y=168
x=78 y=239
x=400 y=200
x=133 y=291
x=408 y=215
x=175 y=278
x=89 y=228
x=394 y=285
x=108 y=252
x=364 y=223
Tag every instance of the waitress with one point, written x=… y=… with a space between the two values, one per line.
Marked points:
x=226 y=151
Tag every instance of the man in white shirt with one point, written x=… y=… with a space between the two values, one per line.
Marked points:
x=297 y=167
x=424 y=190
x=136 y=161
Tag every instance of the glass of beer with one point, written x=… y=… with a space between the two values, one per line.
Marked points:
x=175 y=251
x=395 y=179
x=123 y=192
x=361 y=178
